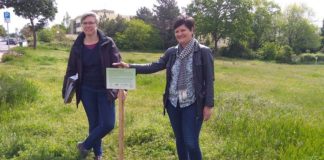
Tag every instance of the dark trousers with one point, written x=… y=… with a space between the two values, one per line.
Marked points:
x=101 y=117
x=186 y=127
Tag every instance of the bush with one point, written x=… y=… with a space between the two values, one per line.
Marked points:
x=57 y=45
x=8 y=57
x=269 y=50
x=320 y=57
x=239 y=50
x=45 y=35
x=307 y=58
x=20 y=50
x=284 y=55
x=15 y=90
x=295 y=59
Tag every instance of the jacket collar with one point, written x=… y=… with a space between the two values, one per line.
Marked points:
x=196 y=46
x=102 y=39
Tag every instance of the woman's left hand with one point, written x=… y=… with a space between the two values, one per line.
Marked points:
x=207 y=112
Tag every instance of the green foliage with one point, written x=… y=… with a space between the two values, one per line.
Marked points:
x=41 y=10
x=2 y=31
x=7 y=57
x=263 y=25
x=113 y=26
x=59 y=32
x=322 y=29
x=300 y=33
x=211 y=20
x=262 y=111
x=284 y=54
x=255 y=128
x=20 y=50
x=311 y=58
x=66 y=22
x=269 y=50
x=138 y=36
x=166 y=11
x=45 y=35
x=15 y=90
x=240 y=50
x=145 y=14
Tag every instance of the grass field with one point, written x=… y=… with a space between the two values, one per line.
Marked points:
x=262 y=111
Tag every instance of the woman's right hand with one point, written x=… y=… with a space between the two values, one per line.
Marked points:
x=121 y=64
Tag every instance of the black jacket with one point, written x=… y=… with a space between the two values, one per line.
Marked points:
x=203 y=73
x=109 y=54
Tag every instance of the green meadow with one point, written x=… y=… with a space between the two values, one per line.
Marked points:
x=263 y=110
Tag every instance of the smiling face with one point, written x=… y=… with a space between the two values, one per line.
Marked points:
x=89 y=26
x=183 y=35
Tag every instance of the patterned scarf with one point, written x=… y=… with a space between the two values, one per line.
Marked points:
x=181 y=84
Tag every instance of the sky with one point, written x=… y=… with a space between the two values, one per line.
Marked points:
x=129 y=7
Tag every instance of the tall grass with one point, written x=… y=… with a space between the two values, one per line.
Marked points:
x=262 y=111
x=16 y=90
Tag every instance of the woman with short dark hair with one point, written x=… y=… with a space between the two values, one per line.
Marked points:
x=189 y=92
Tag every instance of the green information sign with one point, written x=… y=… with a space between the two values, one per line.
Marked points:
x=121 y=78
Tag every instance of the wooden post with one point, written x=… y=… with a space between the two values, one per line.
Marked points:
x=121 y=124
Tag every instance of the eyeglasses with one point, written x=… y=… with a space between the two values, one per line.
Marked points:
x=88 y=23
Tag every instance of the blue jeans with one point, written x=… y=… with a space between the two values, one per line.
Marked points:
x=186 y=127
x=101 y=117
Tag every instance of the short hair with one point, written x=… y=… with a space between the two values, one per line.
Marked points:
x=89 y=14
x=188 y=21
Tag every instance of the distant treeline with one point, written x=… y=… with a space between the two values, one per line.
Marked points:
x=250 y=29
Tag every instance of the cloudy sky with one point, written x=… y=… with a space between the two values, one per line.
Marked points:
x=129 y=7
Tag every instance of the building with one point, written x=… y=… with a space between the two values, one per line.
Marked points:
x=102 y=14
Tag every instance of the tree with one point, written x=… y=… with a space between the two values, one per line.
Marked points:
x=299 y=33
x=66 y=22
x=2 y=31
x=322 y=29
x=111 y=27
x=138 y=35
x=263 y=22
x=145 y=14
x=166 y=13
x=322 y=34
x=26 y=32
x=222 y=19
x=40 y=10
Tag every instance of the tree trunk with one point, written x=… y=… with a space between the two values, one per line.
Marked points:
x=34 y=33
x=215 y=38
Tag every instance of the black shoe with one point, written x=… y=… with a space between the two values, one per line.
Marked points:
x=83 y=152
x=98 y=158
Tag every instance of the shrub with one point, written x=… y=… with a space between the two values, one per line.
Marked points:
x=284 y=55
x=238 y=49
x=295 y=59
x=269 y=50
x=20 y=50
x=64 y=45
x=15 y=90
x=307 y=58
x=45 y=35
x=320 y=58
x=8 y=57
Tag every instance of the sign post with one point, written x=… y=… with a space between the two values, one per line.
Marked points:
x=120 y=79
x=6 y=15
